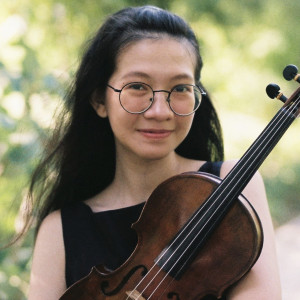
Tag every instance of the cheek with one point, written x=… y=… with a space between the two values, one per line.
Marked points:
x=121 y=122
x=186 y=124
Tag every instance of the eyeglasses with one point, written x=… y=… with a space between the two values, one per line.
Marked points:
x=137 y=97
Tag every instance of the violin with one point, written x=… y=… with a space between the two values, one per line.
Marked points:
x=197 y=234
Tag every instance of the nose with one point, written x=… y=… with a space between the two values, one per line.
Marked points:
x=160 y=108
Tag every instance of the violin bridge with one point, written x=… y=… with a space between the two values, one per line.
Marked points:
x=134 y=295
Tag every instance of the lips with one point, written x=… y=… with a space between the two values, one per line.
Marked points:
x=155 y=133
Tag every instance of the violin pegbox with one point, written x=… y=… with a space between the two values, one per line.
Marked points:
x=291 y=104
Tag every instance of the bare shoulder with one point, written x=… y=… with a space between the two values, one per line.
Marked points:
x=48 y=264
x=50 y=232
x=51 y=222
x=227 y=166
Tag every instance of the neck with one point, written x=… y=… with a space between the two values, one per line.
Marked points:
x=137 y=179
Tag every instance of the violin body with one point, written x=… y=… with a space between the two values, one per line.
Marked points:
x=227 y=255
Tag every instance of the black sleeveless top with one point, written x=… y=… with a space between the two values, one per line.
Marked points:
x=105 y=237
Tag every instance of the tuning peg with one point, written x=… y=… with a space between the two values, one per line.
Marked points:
x=273 y=92
x=291 y=72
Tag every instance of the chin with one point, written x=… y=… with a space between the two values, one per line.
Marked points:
x=154 y=155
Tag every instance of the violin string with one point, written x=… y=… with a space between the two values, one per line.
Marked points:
x=285 y=114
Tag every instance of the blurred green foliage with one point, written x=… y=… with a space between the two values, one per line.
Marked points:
x=245 y=45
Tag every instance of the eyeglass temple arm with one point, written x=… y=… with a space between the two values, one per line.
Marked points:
x=199 y=86
x=116 y=90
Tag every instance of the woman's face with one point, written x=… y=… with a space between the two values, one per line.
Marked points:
x=161 y=63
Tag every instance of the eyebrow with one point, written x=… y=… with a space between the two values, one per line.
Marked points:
x=135 y=73
x=147 y=76
x=183 y=76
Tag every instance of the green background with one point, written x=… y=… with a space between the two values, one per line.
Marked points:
x=245 y=46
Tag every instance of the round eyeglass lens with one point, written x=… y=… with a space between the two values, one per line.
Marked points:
x=136 y=97
x=185 y=99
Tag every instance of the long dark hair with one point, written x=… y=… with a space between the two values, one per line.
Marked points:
x=79 y=160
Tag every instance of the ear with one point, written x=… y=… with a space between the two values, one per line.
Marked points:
x=98 y=105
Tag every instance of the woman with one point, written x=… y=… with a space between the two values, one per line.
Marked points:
x=123 y=139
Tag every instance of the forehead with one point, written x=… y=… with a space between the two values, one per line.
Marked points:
x=157 y=56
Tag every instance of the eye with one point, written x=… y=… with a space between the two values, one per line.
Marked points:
x=137 y=86
x=183 y=88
